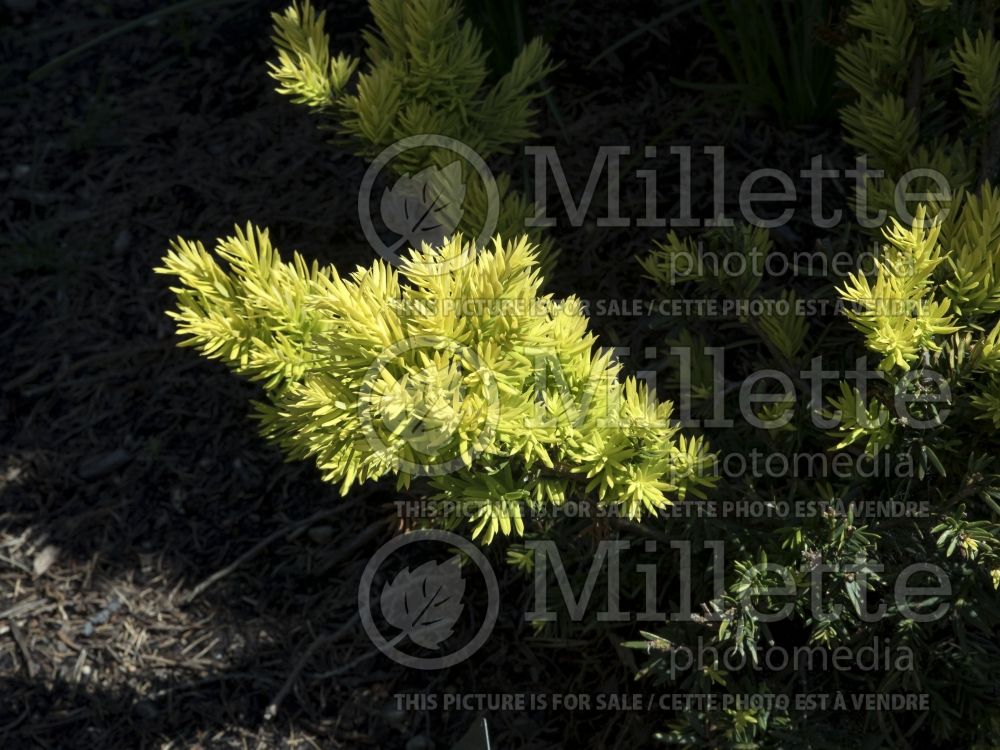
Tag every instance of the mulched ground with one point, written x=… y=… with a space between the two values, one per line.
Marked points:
x=130 y=470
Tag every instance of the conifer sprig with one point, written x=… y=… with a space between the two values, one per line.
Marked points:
x=454 y=368
x=424 y=71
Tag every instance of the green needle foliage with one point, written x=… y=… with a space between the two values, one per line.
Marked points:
x=454 y=368
x=933 y=304
x=904 y=64
x=424 y=71
x=930 y=332
x=925 y=320
x=930 y=315
x=899 y=314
